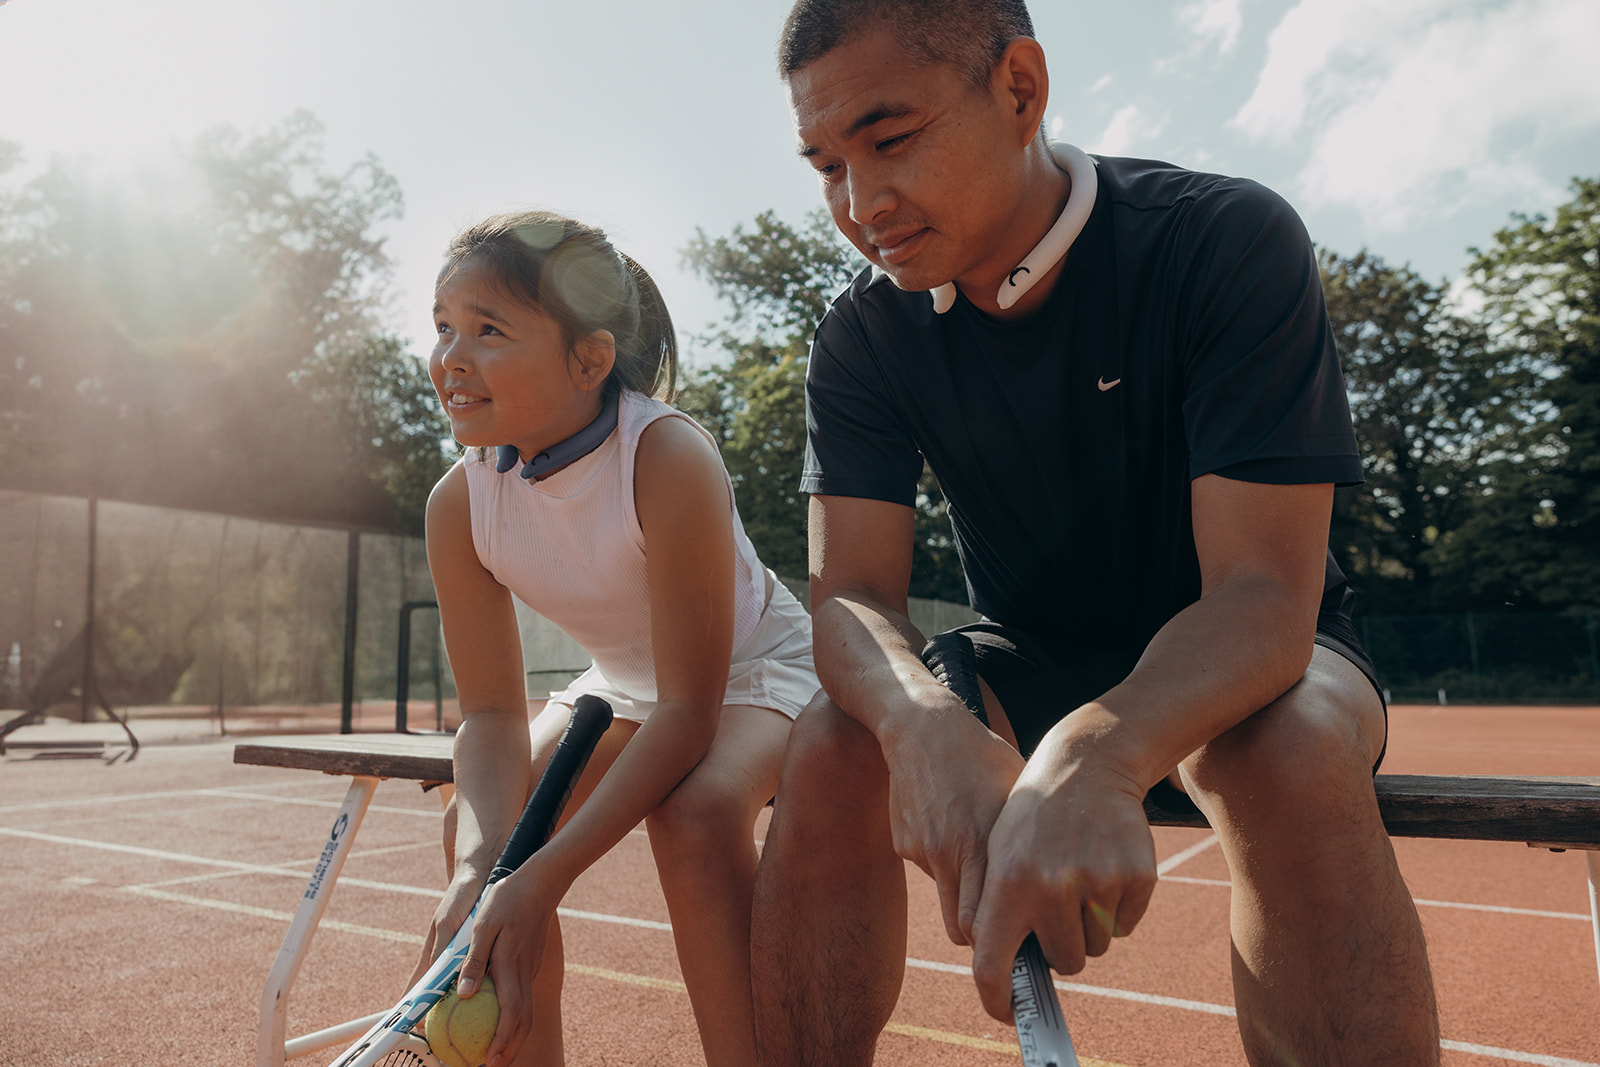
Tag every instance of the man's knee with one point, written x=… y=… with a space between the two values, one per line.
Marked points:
x=830 y=751
x=833 y=790
x=1316 y=742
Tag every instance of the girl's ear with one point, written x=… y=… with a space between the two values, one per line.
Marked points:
x=593 y=357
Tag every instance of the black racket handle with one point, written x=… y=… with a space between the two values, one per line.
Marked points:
x=591 y=717
x=951 y=659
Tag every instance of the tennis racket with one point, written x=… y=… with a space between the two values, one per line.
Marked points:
x=1041 y=1028
x=390 y=1043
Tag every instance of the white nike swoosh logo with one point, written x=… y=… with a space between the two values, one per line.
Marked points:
x=1106 y=387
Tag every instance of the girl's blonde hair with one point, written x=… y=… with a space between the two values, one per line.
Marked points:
x=571 y=272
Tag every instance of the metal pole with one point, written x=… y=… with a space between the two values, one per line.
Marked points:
x=438 y=685
x=1472 y=648
x=1594 y=649
x=352 y=593
x=402 y=671
x=88 y=623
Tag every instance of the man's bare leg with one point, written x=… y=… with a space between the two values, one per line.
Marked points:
x=1329 y=961
x=828 y=939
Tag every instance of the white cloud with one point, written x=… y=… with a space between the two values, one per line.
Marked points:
x=1127 y=127
x=1214 y=22
x=1417 y=108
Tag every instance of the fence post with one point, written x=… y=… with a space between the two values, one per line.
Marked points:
x=1472 y=648
x=1594 y=659
x=352 y=593
x=402 y=669
x=88 y=619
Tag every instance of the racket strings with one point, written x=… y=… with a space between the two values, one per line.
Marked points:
x=413 y=1052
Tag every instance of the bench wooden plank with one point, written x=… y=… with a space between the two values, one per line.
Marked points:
x=1554 y=812
x=424 y=757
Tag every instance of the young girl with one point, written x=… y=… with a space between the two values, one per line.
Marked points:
x=610 y=513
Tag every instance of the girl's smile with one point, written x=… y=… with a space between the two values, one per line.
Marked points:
x=503 y=370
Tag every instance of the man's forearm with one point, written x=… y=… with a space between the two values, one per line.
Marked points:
x=1212 y=665
x=868 y=658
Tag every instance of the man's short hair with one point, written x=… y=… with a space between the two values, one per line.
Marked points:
x=969 y=35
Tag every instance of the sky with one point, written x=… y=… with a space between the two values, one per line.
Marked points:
x=1412 y=128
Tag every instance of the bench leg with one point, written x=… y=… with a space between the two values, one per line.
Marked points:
x=297 y=942
x=1594 y=899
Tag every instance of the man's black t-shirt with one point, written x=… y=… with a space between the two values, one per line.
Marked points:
x=1186 y=335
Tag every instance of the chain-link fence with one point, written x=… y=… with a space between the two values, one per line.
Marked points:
x=148 y=610
x=142 y=607
x=1523 y=658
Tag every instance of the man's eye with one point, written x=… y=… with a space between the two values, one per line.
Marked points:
x=890 y=143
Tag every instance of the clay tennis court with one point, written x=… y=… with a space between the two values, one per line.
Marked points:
x=145 y=900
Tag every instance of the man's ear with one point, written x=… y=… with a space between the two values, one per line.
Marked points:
x=593 y=357
x=1022 y=81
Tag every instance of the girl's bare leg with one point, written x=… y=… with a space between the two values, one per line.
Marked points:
x=702 y=837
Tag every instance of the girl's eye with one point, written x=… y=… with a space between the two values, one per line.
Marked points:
x=441 y=327
x=490 y=331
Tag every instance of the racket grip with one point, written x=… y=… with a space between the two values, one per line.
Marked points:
x=951 y=659
x=1041 y=1027
x=591 y=717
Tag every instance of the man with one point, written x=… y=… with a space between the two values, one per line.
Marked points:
x=1125 y=381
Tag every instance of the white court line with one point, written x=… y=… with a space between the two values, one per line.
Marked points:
x=1179 y=858
x=1498 y=909
x=122 y=798
x=1511 y=1055
x=1092 y=990
x=1150 y=999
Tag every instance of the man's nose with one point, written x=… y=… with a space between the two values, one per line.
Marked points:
x=870 y=196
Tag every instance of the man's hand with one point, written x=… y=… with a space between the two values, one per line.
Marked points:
x=1071 y=859
x=946 y=788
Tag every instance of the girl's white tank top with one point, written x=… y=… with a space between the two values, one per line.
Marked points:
x=570 y=547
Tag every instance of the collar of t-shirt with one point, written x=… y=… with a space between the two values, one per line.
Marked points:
x=1054 y=244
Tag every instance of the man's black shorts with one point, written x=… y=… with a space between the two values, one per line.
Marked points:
x=1038 y=682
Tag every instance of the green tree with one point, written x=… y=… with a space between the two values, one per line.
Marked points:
x=1540 y=284
x=211 y=335
x=779 y=279
x=1409 y=363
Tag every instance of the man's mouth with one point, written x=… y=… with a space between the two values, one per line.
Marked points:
x=898 y=247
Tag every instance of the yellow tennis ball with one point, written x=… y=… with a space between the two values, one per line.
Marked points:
x=459 y=1031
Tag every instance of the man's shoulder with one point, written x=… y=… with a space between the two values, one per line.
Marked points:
x=873 y=303
x=1153 y=191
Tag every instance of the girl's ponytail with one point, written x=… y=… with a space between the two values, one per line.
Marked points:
x=653 y=365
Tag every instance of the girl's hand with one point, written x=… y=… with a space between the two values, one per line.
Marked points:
x=508 y=940
x=452 y=911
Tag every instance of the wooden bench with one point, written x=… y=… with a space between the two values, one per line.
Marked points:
x=1553 y=813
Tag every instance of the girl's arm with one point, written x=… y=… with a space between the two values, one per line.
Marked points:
x=492 y=749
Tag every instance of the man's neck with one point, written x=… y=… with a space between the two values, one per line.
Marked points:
x=1049 y=214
